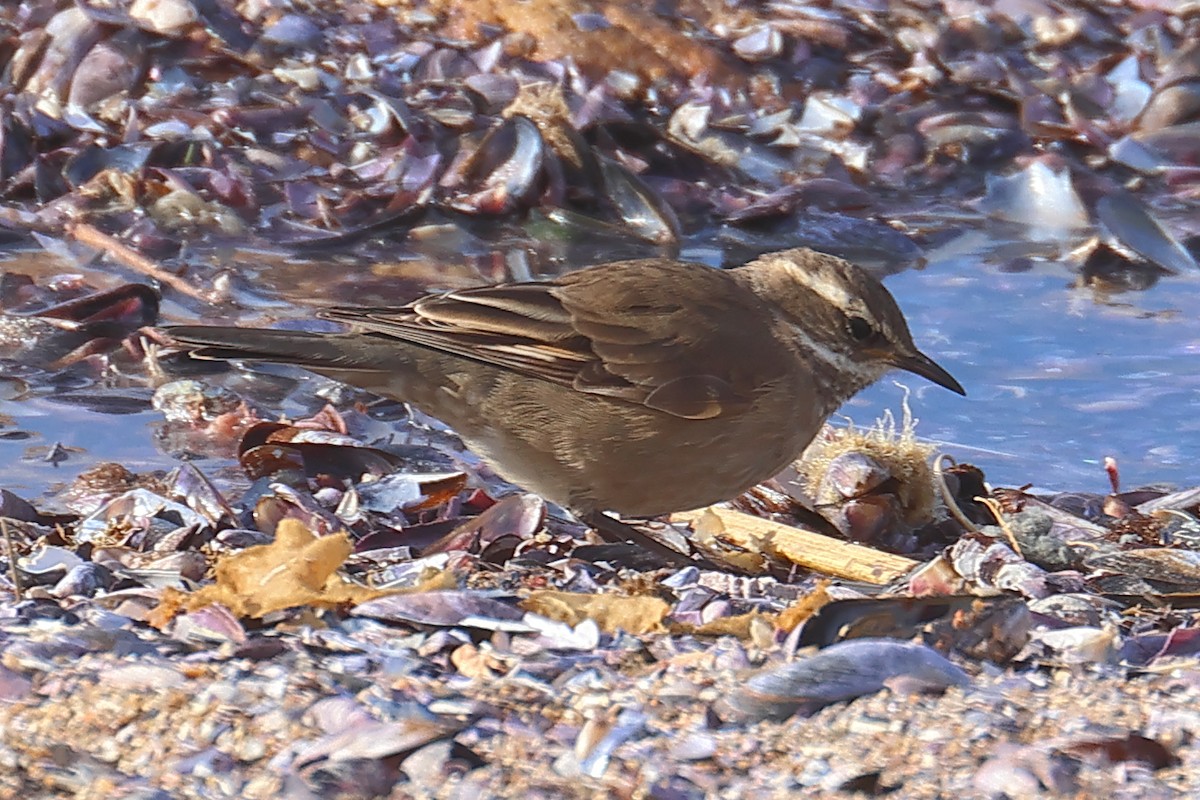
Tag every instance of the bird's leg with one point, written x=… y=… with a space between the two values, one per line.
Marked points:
x=615 y=531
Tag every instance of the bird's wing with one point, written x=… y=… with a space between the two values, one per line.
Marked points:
x=608 y=331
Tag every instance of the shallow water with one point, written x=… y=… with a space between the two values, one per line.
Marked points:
x=1057 y=377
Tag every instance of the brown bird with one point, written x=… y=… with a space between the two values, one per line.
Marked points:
x=642 y=387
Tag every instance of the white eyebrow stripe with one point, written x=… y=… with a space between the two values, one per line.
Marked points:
x=832 y=291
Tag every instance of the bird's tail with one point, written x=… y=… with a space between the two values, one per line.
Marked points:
x=319 y=350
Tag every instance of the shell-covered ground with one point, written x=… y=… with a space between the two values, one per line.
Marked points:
x=327 y=596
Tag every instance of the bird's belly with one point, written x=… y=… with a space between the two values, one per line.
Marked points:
x=592 y=453
x=683 y=475
x=640 y=470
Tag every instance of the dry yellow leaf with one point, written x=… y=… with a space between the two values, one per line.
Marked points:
x=740 y=626
x=472 y=662
x=804 y=608
x=297 y=569
x=611 y=612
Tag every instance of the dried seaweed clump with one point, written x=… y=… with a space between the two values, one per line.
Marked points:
x=850 y=463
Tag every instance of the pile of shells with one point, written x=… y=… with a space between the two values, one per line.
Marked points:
x=351 y=605
x=575 y=129
x=349 y=615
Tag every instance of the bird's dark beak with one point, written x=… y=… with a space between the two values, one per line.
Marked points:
x=920 y=364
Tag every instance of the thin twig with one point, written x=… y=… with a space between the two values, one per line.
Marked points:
x=809 y=550
x=92 y=236
x=12 y=559
x=993 y=505
x=947 y=496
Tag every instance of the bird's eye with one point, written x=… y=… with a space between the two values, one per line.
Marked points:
x=860 y=329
